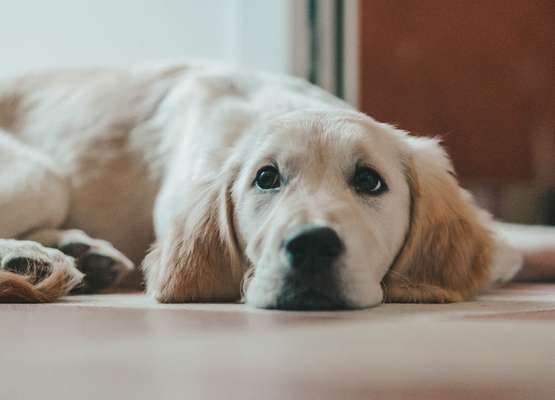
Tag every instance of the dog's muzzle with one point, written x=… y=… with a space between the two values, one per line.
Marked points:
x=310 y=283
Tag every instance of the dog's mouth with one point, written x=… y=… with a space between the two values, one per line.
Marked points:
x=299 y=295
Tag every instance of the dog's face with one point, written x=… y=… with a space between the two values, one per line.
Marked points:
x=324 y=210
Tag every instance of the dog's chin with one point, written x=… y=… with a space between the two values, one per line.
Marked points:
x=296 y=293
x=300 y=292
x=308 y=299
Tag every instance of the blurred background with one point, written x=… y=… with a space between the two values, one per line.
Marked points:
x=478 y=73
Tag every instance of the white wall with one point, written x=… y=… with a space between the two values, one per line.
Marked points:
x=37 y=34
x=264 y=33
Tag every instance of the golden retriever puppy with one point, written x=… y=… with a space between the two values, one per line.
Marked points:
x=251 y=186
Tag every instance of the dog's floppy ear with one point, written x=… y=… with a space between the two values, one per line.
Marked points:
x=448 y=248
x=198 y=259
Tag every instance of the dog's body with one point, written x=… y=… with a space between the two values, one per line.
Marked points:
x=121 y=155
x=96 y=129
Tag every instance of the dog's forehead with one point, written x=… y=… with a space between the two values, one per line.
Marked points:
x=346 y=137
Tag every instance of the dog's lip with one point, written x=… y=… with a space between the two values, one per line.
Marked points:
x=301 y=296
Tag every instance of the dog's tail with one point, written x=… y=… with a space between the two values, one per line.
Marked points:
x=17 y=288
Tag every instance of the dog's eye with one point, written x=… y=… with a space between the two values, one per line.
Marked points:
x=267 y=178
x=368 y=181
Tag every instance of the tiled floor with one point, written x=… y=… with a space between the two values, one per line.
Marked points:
x=126 y=347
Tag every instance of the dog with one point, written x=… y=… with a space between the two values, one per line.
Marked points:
x=245 y=185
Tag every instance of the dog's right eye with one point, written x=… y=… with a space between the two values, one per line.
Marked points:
x=268 y=178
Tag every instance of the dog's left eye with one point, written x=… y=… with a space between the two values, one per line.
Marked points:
x=268 y=178
x=368 y=181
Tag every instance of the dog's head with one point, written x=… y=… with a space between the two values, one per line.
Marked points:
x=319 y=210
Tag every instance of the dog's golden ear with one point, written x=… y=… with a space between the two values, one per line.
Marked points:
x=448 y=248
x=198 y=259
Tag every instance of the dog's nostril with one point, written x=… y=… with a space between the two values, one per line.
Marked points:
x=314 y=249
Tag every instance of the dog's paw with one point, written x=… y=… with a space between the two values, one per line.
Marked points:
x=505 y=264
x=35 y=261
x=103 y=265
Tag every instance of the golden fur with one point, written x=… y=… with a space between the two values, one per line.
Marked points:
x=201 y=252
x=448 y=249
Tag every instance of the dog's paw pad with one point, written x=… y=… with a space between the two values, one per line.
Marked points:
x=36 y=269
x=102 y=264
x=100 y=271
x=35 y=261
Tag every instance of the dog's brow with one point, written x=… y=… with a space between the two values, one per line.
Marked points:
x=361 y=155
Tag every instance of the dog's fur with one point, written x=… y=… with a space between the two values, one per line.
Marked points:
x=170 y=152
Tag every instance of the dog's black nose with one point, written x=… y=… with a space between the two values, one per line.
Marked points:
x=314 y=249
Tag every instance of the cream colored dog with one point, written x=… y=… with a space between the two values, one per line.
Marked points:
x=246 y=180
